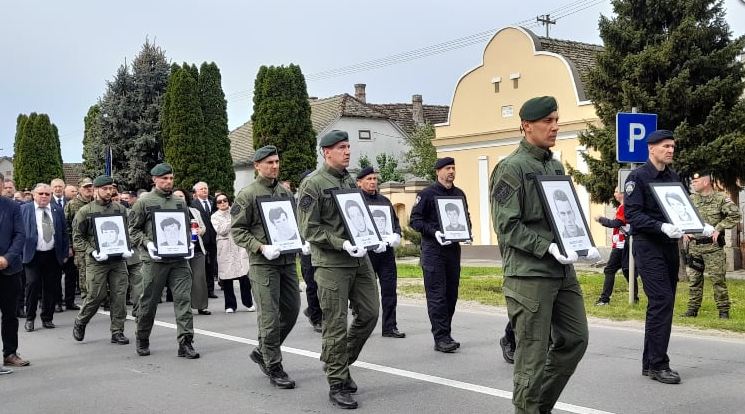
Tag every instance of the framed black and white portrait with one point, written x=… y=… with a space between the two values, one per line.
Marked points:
x=357 y=218
x=452 y=215
x=111 y=234
x=280 y=223
x=677 y=207
x=562 y=208
x=171 y=232
x=382 y=217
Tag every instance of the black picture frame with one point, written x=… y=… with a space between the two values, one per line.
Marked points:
x=563 y=210
x=346 y=199
x=673 y=200
x=163 y=239
x=112 y=221
x=268 y=208
x=461 y=230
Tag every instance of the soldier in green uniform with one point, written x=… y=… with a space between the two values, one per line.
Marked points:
x=104 y=272
x=544 y=300
x=273 y=275
x=343 y=273
x=134 y=274
x=85 y=195
x=157 y=272
x=706 y=253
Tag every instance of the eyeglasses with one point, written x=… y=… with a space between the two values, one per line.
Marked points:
x=222 y=201
x=44 y=194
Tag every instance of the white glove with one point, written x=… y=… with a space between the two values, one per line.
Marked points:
x=100 y=257
x=127 y=254
x=306 y=249
x=353 y=251
x=270 y=252
x=593 y=255
x=626 y=228
x=394 y=240
x=672 y=231
x=708 y=230
x=381 y=247
x=441 y=239
x=570 y=258
x=152 y=251
x=191 y=252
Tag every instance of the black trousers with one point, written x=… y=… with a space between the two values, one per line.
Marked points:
x=21 y=297
x=618 y=260
x=71 y=281
x=311 y=289
x=441 y=267
x=210 y=267
x=658 y=265
x=9 y=293
x=42 y=278
x=384 y=265
x=230 y=301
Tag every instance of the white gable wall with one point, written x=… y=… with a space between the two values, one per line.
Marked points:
x=385 y=137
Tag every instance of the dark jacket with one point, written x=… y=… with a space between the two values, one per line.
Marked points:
x=61 y=241
x=12 y=235
x=210 y=236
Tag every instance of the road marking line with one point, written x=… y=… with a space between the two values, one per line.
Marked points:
x=577 y=409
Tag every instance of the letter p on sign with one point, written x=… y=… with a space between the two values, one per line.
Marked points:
x=637 y=132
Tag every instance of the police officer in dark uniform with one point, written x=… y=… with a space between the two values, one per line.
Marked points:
x=655 y=252
x=384 y=263
x=440 y=257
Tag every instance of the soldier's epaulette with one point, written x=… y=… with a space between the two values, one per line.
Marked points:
x=150 y=209
x=329 y=190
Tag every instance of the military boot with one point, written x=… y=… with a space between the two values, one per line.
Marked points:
x=508 y=350
x=690 y=313
x=186 y=350
x=724 y=314
x=340 y=397
x=259 y=360
x=143 y=347
x=78 y=331
x=119 y=339
x=350 y=385
x=278 y=377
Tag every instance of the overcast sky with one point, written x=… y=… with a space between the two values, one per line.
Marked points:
x=57 y=56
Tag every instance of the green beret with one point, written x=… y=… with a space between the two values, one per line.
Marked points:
x=102 y=180
x=332 y=138
x=538 y=108
x=161 y=169
x=264 y=152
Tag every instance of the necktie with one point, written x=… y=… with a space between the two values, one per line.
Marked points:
x=46 y=226
x=206 y=206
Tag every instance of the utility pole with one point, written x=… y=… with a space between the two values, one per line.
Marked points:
x=546 y=21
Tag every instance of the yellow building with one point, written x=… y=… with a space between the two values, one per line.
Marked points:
x=483 y=124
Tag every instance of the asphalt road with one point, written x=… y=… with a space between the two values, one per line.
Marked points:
x=394 y=375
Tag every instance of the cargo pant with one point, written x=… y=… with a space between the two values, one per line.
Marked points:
x=155 y=276
x=714 y=267
x=134 y=272
x=80 y=263
x=104 y=277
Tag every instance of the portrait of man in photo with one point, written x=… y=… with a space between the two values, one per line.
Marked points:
x=173 y=235
x=678 y=206
x=110 y=234
x=282 y=226
x=381 y=222
x=356 y=218
x=453 y=214
x=567 y=215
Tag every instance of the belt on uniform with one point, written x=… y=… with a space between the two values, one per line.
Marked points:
x=703 y=240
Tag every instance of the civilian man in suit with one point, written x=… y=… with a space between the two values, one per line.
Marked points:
x=45 y=251
x=58 y=192
x=12 y=237
x=206 y=206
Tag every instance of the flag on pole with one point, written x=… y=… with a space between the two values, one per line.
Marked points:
x=107 y=161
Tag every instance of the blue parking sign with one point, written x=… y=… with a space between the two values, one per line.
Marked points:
x=632 y=130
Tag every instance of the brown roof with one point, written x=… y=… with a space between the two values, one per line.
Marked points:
x=73 y=172
x=581 y=56
x=402 y=114
x=323 y=112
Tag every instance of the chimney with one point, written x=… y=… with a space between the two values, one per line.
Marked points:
x=417 y=109
x=359 y=92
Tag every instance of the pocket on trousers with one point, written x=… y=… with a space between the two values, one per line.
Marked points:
x=327 y=283
x=522 y=386
x=528 y=303
x=327 y=349
x=531 y=325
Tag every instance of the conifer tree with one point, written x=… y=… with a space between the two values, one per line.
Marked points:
x=218 y=173
x=37 y=158
x=93 y=149
x=676 y=59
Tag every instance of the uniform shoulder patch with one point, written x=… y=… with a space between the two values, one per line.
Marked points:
x=306 y=201
x=417 y=200
x=502 y=191
x=629 y=188
x=236 y=209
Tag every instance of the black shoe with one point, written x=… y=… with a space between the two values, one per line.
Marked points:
x=119 y=339
x=204 y=312
x=29 y=326
x=21 y=314
x=78 y=331
x=645 y=372
x=350 y=385
x=143 y=347
x=58 y=308
x=341 y=398
x=186 y=350
x=508 y=350
x=48 y=324
x=690 y=313
x=394 y=334
x=279 y=378
x=665 y=376
x=453 y=341
x=317 y=327
x=259 y=359
x=446 y=347
x=212 y=296
x=723 y=314
x=72 y=307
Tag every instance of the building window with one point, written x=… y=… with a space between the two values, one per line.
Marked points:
x=496 y=81
x=365 y=135
x=507 y=111
x=515 y=77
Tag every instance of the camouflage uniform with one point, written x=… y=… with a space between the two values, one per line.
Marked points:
x=719 y=211
x=71 y=209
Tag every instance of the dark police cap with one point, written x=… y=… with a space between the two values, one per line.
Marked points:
x=701 y=174
x=102 y=180
x=538 y=108
x=659 y=135
x=365 y=172
x=161 y=169
x=332 y=138
x=264 y=152
x=442 y=162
